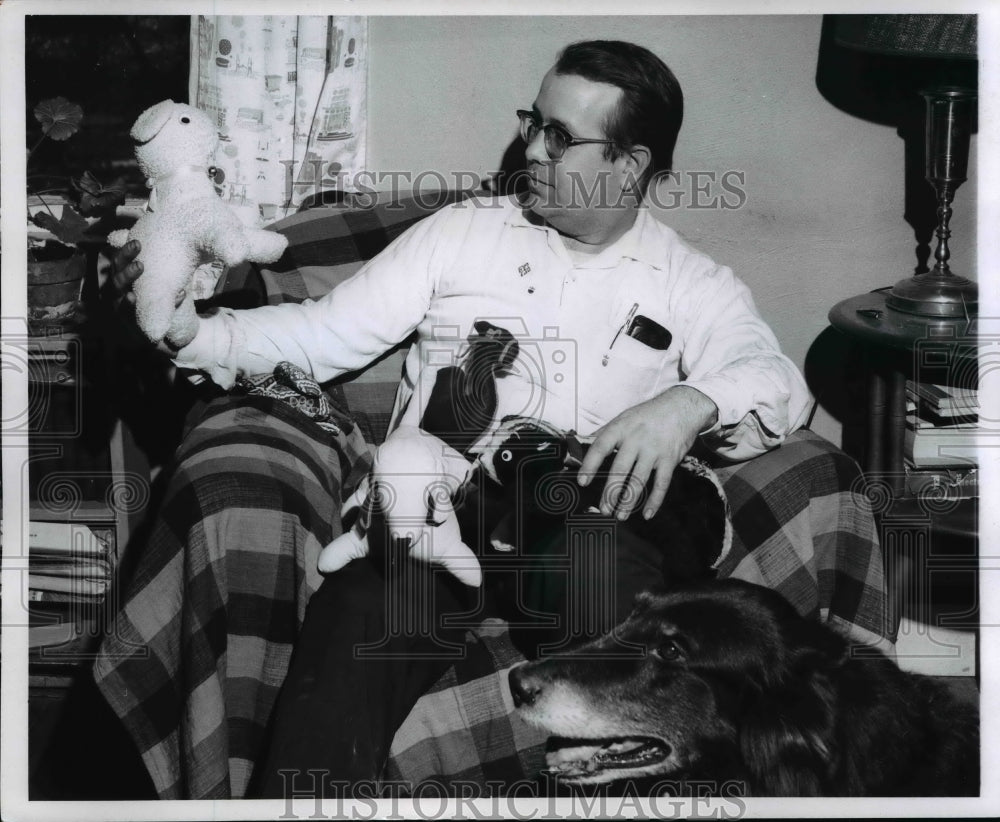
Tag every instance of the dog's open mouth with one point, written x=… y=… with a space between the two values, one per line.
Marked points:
x=586 y=759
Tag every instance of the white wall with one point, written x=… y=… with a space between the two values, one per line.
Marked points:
x=823 y=219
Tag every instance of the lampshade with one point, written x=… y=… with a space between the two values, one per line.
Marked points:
x=950 y=36
x=938 y=41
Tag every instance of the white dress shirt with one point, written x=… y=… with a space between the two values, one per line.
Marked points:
x=577 y=367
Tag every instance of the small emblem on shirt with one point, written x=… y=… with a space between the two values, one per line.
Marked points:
x=524 y=269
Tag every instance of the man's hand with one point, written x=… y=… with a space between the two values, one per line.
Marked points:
x=653 y=436
x=124 y=271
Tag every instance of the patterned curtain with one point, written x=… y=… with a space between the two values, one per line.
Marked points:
x=289 y=94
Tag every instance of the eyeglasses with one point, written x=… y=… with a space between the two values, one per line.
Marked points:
x=557 y=139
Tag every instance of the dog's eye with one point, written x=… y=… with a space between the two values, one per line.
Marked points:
x=506 y=455
x=669 y=651
x=185 y=120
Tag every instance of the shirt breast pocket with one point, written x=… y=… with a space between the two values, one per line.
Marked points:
x=627 y=375
x=629 y=354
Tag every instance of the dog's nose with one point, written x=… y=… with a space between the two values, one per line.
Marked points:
x=523 y=691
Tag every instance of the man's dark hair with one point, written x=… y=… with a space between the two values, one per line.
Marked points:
x=651 y=107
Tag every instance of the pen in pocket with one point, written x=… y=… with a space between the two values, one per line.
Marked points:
x=618 y=333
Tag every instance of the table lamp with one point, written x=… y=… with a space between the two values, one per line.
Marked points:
x=940 y=38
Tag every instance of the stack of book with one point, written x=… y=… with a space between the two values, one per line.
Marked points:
x=70 y=570
x=68 y=562
x=942 y=427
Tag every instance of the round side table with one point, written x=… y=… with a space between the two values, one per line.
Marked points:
x=900 y=346
x=922 y=543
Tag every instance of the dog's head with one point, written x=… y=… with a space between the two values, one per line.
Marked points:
x=170 y=135
x=712 y=679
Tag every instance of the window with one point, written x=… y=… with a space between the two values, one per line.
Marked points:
x=114 y=67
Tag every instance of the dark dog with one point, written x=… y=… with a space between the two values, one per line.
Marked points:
x=730 y=683
x=535 y=466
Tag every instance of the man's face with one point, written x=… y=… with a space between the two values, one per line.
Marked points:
x=581 y=192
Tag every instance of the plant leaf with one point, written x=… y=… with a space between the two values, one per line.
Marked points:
x=70 y=228
x=59 y=117
x=95 y=197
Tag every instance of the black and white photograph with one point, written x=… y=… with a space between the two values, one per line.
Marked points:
x=523 y=410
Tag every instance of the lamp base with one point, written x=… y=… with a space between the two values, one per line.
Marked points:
x=935 y=295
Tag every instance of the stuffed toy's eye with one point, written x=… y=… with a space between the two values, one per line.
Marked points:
x=185 y=120
x=506 y=455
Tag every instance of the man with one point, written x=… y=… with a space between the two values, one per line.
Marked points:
x=731 y=356
x=664 y=346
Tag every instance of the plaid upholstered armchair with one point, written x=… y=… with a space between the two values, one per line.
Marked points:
x=202 y=642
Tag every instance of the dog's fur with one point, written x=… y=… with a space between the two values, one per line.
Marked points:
x=726 y=681
x=535 y=467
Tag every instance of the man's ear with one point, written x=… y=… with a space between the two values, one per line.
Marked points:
x=637 y=159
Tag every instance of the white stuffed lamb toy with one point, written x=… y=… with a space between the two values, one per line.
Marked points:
x=186 y=223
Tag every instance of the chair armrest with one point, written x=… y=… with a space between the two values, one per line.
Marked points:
x=803 y=526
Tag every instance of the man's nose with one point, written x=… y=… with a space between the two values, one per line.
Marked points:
x=535 y=151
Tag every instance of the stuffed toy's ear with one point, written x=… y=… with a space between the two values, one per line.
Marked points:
x=151 y=121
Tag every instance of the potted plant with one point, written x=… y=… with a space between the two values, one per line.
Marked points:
x=74 y=215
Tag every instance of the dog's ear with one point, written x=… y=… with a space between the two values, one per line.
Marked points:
x=812 y=645
x=787 y=738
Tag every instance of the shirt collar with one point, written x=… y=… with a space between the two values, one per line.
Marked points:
x=641 y=242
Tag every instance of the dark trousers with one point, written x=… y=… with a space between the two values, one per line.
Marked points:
x=377 y=636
